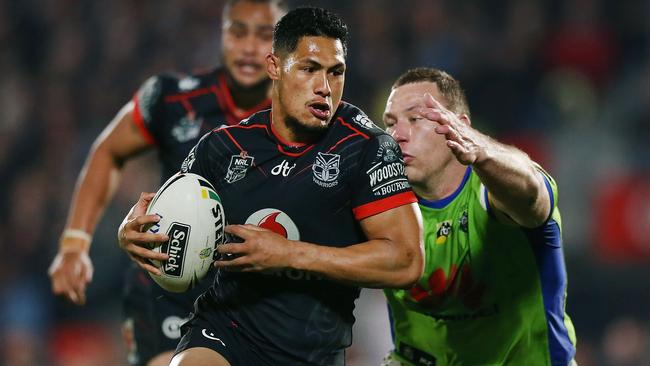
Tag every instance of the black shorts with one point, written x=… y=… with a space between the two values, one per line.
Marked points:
x=217 y=331
x=153 y=316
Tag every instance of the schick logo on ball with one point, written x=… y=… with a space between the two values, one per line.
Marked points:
x=175 y=248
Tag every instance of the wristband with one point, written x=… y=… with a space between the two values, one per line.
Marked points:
x=75 y=246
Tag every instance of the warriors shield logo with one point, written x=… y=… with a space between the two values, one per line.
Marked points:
x=326 y=169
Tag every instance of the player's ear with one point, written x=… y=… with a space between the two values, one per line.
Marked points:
x=465 y=118
x=273 y=66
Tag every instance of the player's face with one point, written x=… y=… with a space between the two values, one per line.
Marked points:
x=247 y=37
x=310 y=81
x=425 y=152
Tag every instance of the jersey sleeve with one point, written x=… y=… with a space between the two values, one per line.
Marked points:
x=197 y=160
x=148 y=105
x=551 y=187
x=380 y=183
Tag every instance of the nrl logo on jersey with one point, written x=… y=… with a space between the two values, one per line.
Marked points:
x=238 y=167
x=326 y=169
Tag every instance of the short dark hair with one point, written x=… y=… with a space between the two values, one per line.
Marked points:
x=281 y=4
x=306 y=22
x=448 y=86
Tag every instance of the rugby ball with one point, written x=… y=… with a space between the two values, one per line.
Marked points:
x=193 y=218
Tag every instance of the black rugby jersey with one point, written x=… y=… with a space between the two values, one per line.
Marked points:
x=315 y=193
x=173 y=112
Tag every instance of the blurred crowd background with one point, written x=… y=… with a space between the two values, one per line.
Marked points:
x=568 y=81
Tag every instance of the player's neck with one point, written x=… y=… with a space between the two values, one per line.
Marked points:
x=443 y=183
x=289 y=131
x=248 y=97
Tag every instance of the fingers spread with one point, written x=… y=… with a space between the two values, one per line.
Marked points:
x=242 y=231
x=238 y=264
x=58 y=285
x=147 y=266
x=148 y=195
x=148 y=240
x=142 y=220
x=80 y=293
x=88 y=273
x=234 y=248
x=431 y=102
x=72 y=296
x=255 y=227
x=145 y=253
x=456 y=147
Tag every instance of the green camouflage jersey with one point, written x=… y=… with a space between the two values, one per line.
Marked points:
x=491 y=293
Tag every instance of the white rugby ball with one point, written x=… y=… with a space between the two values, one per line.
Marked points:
x=193 y=217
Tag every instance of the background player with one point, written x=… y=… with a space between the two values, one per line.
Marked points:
x=169 y=113
x=494 y=287
x=340 y=214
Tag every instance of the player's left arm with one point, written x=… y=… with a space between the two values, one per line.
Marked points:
x=392 y=257
x=515 y=183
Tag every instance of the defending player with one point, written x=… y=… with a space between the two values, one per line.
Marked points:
x=169 y=113
x=318 y=196
x=494 y=286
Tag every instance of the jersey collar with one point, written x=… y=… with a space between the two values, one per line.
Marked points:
x=286 y=147
x=441 y=203
x=233 y=113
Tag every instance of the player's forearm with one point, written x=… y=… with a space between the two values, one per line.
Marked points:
x=378 y=263
x=100 y=175
x=514 y=183
x=95 y=188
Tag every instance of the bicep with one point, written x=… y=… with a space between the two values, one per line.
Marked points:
x=122 y=139
x=522 y=213
x=401 y=225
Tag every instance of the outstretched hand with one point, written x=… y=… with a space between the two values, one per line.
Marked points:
x=261 y=250
x=134 y=239
x=466 y=143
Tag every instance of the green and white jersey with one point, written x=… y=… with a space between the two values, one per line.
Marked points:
x=491 y=293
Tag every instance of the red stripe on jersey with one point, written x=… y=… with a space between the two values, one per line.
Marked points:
x=139 y=122
x=184 y=96
x=231 y=119
x=292 y=144
x=230 y=106
x=356 y=133
x=308 y=167
x=249 y=127
x=352 y=128
x=220 y=101
x=188 y=107
x=277 y=136
x=225 y=130
x=383 y=204
x=341 y=140
x=282 y=150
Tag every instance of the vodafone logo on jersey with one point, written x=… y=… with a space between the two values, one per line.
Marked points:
x=276 y=221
